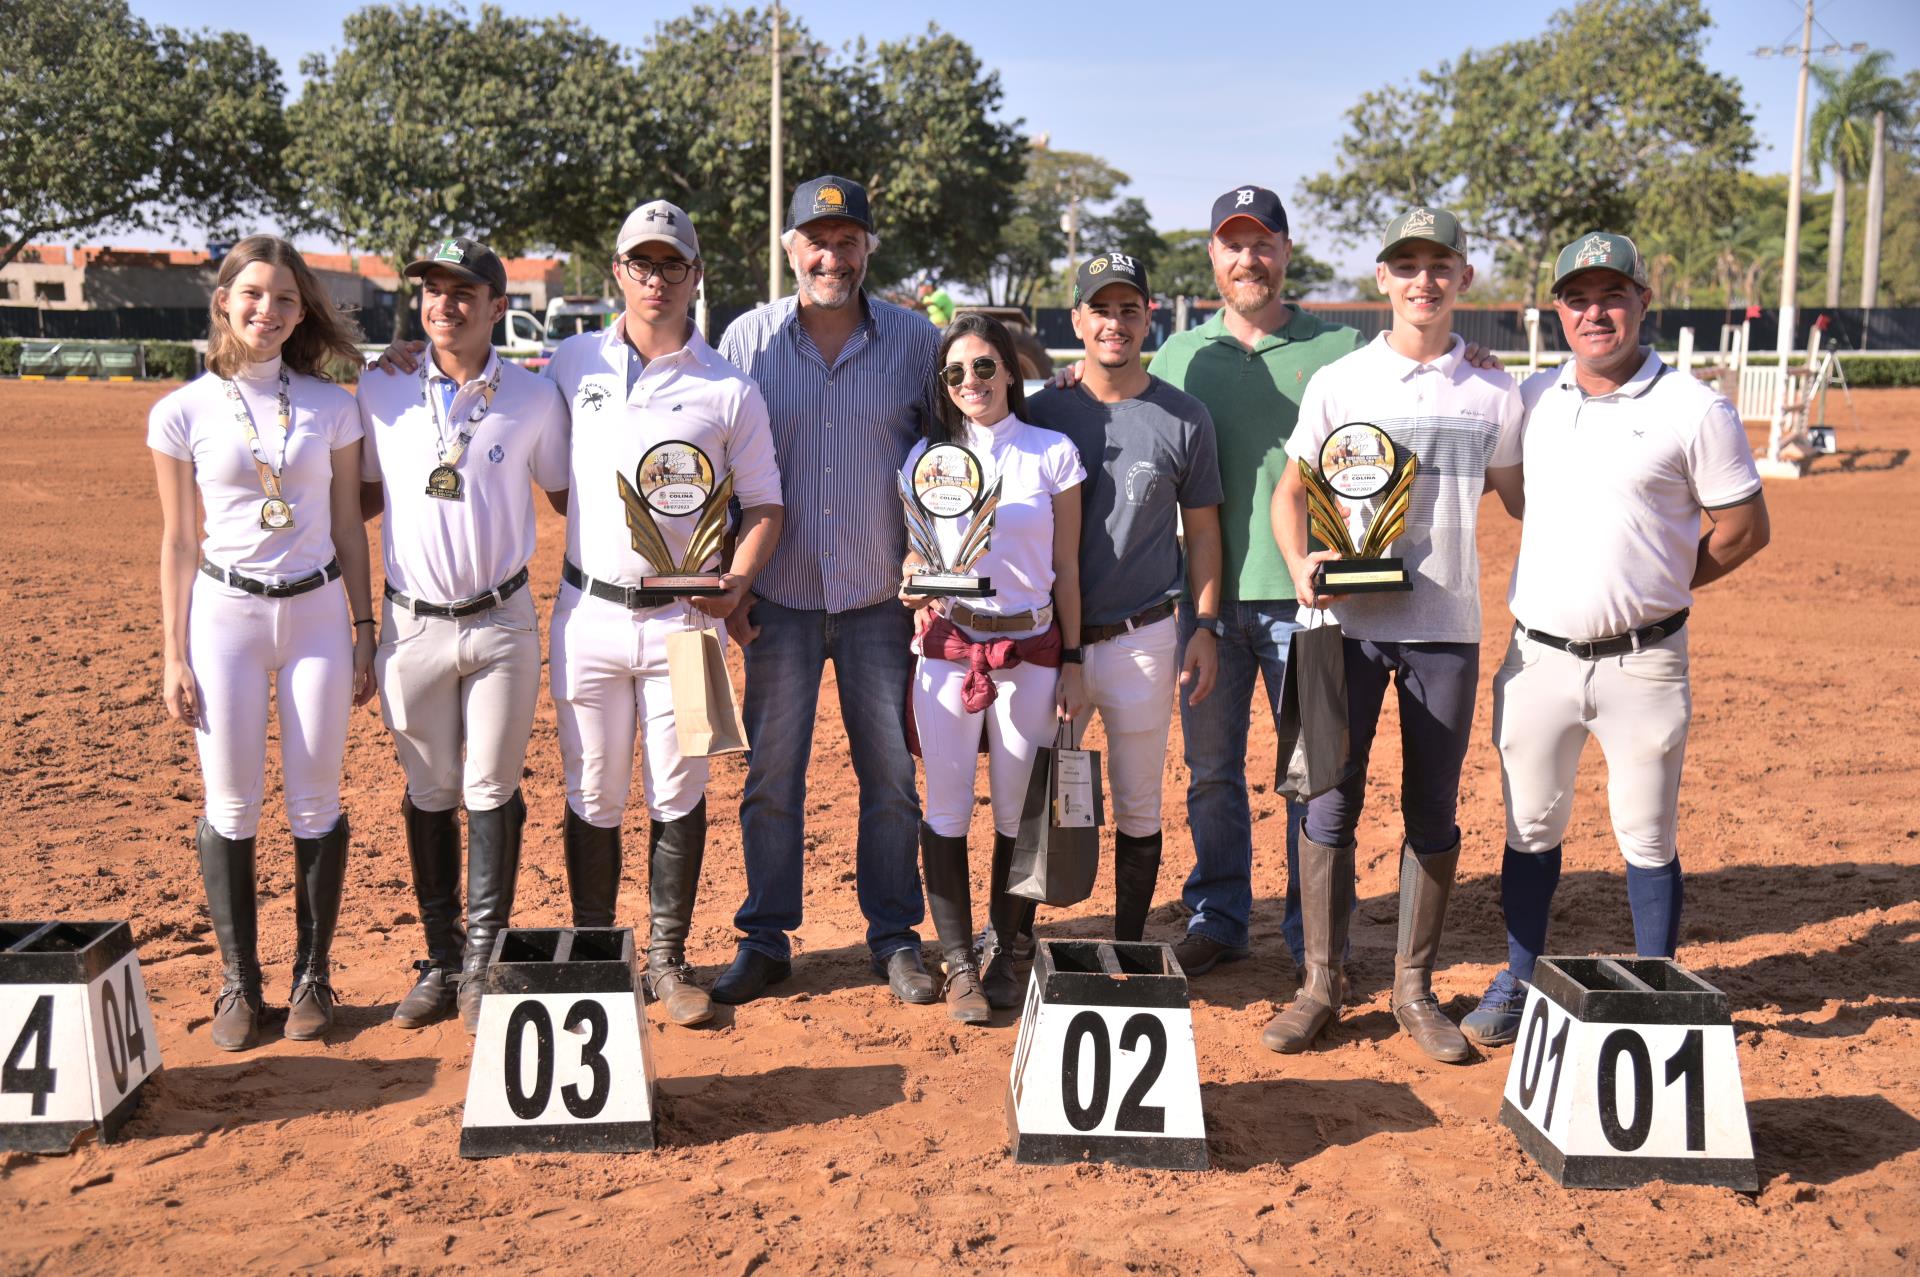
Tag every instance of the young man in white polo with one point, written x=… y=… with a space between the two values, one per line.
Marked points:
x=1624 y=460
x=1414 y=385
x=452 y=455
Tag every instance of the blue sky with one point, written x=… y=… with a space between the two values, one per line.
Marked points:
x=1188 y=102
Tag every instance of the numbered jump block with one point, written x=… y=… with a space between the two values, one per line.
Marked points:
x=76 y=1029
x=560 y=1059
x=1626 y=1072
x=1105 y=1069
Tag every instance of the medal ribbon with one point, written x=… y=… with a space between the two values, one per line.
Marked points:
x=450 y=454
x=269 y=474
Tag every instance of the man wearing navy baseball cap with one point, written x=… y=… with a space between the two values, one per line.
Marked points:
x=849 y=381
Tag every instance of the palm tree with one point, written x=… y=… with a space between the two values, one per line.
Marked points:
x=1842 y=135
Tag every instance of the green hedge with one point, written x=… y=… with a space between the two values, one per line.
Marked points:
x=171 y=360
x=1881 y=370
x=9 y=356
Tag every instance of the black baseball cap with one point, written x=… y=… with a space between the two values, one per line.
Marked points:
x=1096 y=273
x=467 y=258
x=1257 y=202
x=829 y=197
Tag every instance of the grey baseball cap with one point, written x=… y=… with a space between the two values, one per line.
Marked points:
x=658 y=221
x=1434 y=224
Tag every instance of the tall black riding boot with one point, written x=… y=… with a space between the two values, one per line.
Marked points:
x=226 y=867
x=593 y=870
x=943 y=862
x=675 y=851
x=433 y=847
x=493 y=871
x=320 y=872
x=1004 y=915
x=1136 y=872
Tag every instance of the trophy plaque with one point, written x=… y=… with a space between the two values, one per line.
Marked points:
x=947 y=482
x=1358 y=463
x=676 y=480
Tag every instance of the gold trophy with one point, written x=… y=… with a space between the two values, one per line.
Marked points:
x=1358 y=462
x=947 y=483
x=676 y=479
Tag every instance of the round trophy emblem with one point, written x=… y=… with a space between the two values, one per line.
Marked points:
x=1358 y=461
x=947 y=481
x=276 y=515
x=675 y=478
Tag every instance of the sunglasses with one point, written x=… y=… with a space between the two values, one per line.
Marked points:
x=641 y=269
x=985 y=368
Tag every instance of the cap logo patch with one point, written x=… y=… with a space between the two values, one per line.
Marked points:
x=829 y=199
x=1242 y=198
x=449 y=251
x=1418 y=220
x=1097 y=265
x=1594 y=250
x=1121 y=261
x=660 y=215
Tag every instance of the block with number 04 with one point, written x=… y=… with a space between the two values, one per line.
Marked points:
x=1625 y=1071
x=77 y=1033
x=560 y=1059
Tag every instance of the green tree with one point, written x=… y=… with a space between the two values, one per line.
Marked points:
x=107 y=124
x=1609 y=117
x=1841 y=135
x=426 y=125
x=1033 y=240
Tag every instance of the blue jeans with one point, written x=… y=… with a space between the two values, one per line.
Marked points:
x=873 y=666
x=1219 y=891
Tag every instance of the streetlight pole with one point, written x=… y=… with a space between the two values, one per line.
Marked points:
x=775 y=177
x=1790 y=263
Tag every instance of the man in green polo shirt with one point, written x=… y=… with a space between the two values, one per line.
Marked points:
x=1249 y=365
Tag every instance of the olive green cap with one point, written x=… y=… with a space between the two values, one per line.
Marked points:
x=1435 y=224
x=1602 y=250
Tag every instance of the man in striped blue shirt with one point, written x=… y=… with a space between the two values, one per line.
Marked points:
x=848 y=379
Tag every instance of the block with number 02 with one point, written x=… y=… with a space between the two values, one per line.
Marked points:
x=1625 y=1071
x=1104 y=1069
x=76 y=1031
x=560 y=1060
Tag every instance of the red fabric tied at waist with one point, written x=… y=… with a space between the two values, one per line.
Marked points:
x=945 y=641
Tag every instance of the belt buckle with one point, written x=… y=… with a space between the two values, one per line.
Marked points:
x=1582 y=648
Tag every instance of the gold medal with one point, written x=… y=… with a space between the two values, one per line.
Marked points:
x=275 y=515
x=444 y=482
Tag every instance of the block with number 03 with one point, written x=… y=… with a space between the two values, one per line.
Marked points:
x=560 y=1060
x=76 y=1031
x=1625 y=1071
x=1104 y=1069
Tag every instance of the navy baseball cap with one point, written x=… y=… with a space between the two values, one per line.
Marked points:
x=1257 y=202
x=1096 y=273
x=829 y=197
x=467 y=258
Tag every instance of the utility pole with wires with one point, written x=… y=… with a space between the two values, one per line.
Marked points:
x=775 y=177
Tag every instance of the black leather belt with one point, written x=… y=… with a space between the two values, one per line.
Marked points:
x=465 y=607
x=1594 y=649
x=630 y=597
x=1138 y=621
x=270 y=589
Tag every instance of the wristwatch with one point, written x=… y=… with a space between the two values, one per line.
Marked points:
x=1212 y=625
x=1073 y=656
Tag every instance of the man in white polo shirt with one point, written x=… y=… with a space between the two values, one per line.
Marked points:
x=648 y=397
x=1459 y=427
x=1623 y=457
x=452 y=454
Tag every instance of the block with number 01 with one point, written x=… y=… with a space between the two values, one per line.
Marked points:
x=1625 y=1071
x=560 y=1060
x=76 y=1031
x=1104 y=1069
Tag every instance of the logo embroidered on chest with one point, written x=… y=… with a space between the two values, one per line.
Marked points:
x=1141 y=476
x=593 y=398
x=496 y=454
x=677 y=407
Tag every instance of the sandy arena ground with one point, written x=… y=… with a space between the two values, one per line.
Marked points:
x=831 y=1129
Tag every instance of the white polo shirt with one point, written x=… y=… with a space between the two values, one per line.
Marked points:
x=1616 y=485
x=692 y=396
x=1033 y=465
x=1459 y=421
x=196 y=423
x=441 y=551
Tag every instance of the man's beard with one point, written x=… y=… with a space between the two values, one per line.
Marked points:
x=1249 y=296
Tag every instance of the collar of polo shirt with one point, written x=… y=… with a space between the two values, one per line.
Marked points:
x=1632 y=388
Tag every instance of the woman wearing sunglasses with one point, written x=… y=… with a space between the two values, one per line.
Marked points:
x=1008 y=664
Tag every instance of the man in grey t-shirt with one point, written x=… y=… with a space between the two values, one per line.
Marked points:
x=1151 y=467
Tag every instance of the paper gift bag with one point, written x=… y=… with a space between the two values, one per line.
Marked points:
x=706 y=717
x=1056 y=855
x=1314 y=739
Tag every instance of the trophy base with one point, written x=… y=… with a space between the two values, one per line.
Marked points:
x=1362 y=576
x=690 y=584
x=950 y=585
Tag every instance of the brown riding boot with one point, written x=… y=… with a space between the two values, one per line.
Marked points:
x=1326 y=905
x=674 y=856
x=1425 y=883
x=965 y=1001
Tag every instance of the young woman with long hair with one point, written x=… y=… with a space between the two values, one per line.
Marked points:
x=272 y=450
